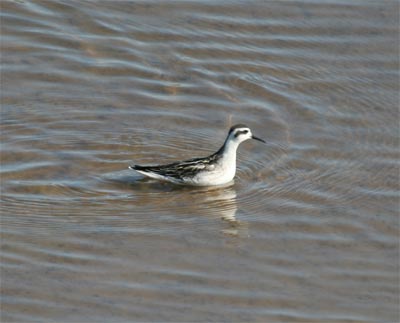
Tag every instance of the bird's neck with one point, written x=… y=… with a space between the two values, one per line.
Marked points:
x=228 y=150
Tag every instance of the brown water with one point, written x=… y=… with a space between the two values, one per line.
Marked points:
x=309 y=230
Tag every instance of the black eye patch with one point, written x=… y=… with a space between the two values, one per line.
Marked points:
x=241 y=132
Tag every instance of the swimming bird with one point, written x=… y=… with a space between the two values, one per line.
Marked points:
x=216 y=169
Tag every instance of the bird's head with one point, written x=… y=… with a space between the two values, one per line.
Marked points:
x=239 y=133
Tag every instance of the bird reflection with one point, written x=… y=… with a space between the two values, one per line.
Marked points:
x=218 y=202
x=215 y=201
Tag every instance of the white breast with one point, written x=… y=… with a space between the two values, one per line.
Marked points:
x=223 y=173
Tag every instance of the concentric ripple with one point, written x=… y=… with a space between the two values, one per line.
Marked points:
x=307 y=232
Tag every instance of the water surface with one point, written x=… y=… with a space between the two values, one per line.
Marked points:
x=308 y=232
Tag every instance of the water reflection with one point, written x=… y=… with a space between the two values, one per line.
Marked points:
x=214 y=202
x=221 y=202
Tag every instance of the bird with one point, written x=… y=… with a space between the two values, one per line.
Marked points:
x=218 y=168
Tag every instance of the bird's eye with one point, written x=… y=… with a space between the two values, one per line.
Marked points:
x=240 y=132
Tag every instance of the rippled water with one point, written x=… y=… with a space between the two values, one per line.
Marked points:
x=308 y=231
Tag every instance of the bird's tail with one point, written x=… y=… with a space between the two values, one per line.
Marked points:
x=134 y=167
x=138 y=167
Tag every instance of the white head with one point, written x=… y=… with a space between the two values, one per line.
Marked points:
x=239 y=133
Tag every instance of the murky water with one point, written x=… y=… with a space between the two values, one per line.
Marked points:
x=308 y=231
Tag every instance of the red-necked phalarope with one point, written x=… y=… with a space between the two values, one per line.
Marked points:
x=216 y=169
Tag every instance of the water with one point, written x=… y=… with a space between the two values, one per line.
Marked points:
x=308 y=231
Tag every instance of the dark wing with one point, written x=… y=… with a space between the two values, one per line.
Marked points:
x=180 y=170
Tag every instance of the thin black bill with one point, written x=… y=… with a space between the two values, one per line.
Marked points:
x=259 y=139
